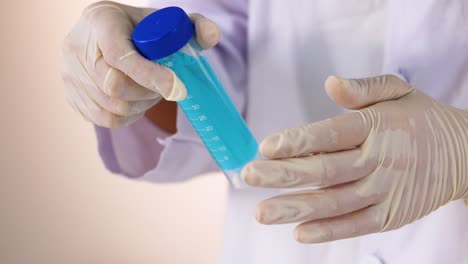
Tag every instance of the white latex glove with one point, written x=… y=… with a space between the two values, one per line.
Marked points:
x=106 y=79
x=402 y=156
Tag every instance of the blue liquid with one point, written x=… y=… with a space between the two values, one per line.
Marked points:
x=212 y=113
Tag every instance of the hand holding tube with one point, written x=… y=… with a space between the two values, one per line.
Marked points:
x=106 y=79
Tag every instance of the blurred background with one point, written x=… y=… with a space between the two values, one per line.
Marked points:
x=58 y=204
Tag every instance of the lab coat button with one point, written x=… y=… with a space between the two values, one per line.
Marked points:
x=371 y=259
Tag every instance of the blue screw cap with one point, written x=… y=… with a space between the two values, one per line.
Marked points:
x=163 y=33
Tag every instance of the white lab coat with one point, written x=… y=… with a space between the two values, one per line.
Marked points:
x=287 y=49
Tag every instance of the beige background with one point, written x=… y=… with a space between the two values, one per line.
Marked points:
x=57 y=202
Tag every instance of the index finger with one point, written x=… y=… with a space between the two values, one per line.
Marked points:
x=331 y=135
x=113 y=30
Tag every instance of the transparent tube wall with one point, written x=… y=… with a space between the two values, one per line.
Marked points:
x=212 y=113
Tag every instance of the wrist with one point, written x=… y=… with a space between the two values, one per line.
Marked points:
x=460 y=142
x=466 y=173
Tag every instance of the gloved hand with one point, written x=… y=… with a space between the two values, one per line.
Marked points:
x=397 y=159
x=106 y=79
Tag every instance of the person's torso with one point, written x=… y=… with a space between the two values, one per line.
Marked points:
x=293 y=47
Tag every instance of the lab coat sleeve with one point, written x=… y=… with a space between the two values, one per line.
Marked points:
x=143 y=150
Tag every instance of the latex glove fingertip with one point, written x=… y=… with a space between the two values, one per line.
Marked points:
x=271 y=145
x=178 y=92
